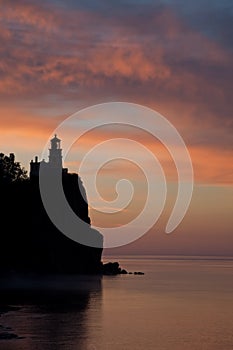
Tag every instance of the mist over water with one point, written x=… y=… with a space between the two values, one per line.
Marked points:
x=179 y=304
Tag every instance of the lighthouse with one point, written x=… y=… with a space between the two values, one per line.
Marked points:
x=55 y=159
x=55 y=153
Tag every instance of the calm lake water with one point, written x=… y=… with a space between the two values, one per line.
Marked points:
x=179 y=304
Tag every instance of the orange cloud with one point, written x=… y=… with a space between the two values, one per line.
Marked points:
x=159 y=61
x=29 y=14
x=212 y=164
x=80 y=58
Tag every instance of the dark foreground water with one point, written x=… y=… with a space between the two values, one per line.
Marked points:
x=177 y=305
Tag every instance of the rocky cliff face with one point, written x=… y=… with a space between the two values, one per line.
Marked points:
x=31 y=243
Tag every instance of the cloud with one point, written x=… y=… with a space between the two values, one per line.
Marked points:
x=56 y=54
x=47 y=47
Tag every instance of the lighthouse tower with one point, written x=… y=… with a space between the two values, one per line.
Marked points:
x=54 y=163
x=55 y=153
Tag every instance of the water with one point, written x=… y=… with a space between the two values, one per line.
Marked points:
x=178 y=304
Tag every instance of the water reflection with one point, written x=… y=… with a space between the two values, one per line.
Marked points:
x=52 y=313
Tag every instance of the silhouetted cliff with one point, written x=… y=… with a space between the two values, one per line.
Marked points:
x=30 y=242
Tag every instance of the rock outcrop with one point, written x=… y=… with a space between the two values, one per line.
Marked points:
x=30 y=242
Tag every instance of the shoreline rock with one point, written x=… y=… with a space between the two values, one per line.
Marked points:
x=113 y=268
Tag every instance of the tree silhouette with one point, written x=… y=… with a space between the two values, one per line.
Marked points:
x=10 y=170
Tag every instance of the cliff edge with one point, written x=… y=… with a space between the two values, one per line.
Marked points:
x=31 y=243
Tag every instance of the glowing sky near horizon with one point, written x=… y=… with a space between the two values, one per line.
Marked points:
x=172 y=56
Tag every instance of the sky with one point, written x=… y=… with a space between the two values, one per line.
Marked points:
x=57 y=57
